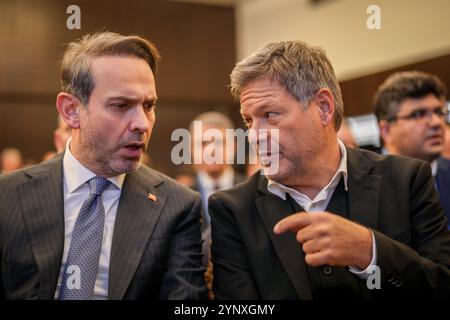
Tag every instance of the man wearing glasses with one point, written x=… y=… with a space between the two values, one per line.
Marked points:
x=411 y=109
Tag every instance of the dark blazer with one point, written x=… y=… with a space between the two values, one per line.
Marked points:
x=393 y=196
x=443 y=185
x=206 y=227
x=156 y=246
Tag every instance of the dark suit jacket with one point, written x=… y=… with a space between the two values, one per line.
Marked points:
x=156 y=247
x=443 y=185
x=393 y=196
x=206 y=227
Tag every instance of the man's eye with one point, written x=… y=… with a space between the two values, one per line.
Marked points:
x=418 y=114
x=120 y=105
x=149 y=106
x=440 y=112
x=270 y=114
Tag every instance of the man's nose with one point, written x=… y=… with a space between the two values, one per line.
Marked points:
x=253 y=137
x=435 y=120
x=140 y=121
x=258 y=136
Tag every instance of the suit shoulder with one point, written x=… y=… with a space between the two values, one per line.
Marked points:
x=247 y=190
x=11 y=179
x=15 y=178
x=387 y=161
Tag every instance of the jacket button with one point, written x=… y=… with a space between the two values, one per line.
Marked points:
x=328 y=271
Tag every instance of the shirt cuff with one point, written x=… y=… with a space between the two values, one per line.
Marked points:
x=364 y=274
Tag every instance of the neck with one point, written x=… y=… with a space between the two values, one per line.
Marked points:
x=82 y=158
x=318 y=172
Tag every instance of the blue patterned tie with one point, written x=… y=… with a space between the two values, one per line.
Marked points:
x=82 y=261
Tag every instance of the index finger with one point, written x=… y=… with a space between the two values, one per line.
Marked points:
x=293 y=223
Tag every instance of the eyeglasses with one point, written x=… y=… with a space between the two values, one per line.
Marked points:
x=421 y=114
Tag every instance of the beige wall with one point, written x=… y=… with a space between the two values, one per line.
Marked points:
x=411 y=30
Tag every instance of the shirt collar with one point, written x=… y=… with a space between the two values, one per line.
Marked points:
x=281 y=190
x=75 y=174
x=434 y=167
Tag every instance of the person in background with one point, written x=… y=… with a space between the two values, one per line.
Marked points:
x=411 y=110
x=446 y=152
x=215 y=175
x=11 y=160
x=60 y=137
x=345 y=134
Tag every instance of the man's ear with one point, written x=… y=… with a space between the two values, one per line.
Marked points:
x=325 y=101
x=69 y=108
x=385 y=131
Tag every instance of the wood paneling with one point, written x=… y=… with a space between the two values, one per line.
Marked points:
x=197 y=43
x=358 y=93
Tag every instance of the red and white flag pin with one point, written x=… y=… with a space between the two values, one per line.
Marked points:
x=152 y=197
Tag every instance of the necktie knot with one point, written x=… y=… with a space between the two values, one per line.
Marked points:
x=97 y=185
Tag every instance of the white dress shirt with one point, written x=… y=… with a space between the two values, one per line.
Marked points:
x=76 y=191
x=321 y=200
x=434 y=167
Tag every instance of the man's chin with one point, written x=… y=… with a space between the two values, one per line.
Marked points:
x=274 y=174
x=126 y=166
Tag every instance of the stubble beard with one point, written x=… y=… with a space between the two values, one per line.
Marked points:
x=104 y=162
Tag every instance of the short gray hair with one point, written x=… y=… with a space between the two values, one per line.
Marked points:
x=301 y=68
x=76 y=75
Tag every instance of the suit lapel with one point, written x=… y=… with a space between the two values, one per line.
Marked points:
x=135 y=221
x=41 y=203
x=363 y=190
x=272 y=209
x=363 y=199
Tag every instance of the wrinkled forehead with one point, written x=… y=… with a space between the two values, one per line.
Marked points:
x=259 y=92
x=259 y=88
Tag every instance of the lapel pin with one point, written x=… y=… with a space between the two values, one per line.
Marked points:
x=152 y=197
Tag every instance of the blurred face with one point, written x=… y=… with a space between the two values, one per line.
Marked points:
x=346 y=136
x=61 y=135
x=215 y=147
x=418 y=130
x=265 y=104
x=446 y=152
x=115 y=127
x=11 y=161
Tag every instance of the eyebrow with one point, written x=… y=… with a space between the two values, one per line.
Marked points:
x=132 y=99
x=264 y=107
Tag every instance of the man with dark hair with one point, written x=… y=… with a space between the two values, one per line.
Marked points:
x=411 y=109
x=348 y=211
x=93 y=223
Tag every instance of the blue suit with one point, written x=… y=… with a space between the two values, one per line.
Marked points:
x=443 y=185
